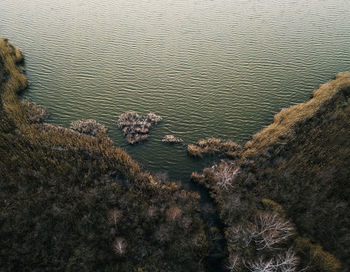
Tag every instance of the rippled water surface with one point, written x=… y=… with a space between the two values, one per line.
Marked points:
x=218 y=68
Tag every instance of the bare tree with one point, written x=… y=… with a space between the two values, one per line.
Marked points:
x=261 y=265
x=119 y=245
x=271 y=230
x=226 y=174
x=286 y=262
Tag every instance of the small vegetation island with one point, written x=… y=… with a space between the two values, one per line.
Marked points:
x=73 y=201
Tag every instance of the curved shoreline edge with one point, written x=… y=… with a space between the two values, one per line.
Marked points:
x=288 y=170
x=72 y=202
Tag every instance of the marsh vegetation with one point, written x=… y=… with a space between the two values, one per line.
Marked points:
x=284 y=198
x=74 y=202
x=135 y=127
x=71 y=200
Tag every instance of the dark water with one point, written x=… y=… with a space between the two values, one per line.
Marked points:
x=218 y=68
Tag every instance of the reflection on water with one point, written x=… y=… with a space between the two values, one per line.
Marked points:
x=217 y=68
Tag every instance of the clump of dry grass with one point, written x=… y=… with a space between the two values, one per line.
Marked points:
x=90 y=127
x=136 y=128
x=213 y=146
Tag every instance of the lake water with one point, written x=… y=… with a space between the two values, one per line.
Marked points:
x=218 y=68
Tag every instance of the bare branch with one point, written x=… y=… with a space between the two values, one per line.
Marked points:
x=119 y=245
x=226 y=174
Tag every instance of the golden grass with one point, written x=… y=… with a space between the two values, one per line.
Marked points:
x=286 y=119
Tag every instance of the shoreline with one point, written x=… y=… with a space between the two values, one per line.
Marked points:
x=261 y=162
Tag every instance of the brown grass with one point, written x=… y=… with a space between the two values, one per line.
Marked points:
x=213 y=146
x=298 y=167
x=319 y=259
x=69 y=187
x=285 y=121
x=114 y=158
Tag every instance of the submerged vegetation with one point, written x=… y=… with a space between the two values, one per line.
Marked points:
x=72 y=201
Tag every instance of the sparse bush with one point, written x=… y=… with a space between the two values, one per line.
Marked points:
x=119 y=246
x=226 y=174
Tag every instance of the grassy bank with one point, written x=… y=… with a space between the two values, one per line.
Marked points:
x=295 y=174
x=72 y=202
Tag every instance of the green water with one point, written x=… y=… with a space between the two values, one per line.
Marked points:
x=218 y=68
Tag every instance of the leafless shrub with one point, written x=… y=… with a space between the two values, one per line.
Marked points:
x=171 y=139
x=268 y=231
x=119 y=245
x=154 y=118
x=286 y=262
x=226 y=174
x=127 y=119
x=271 y=230
x=261 y=265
